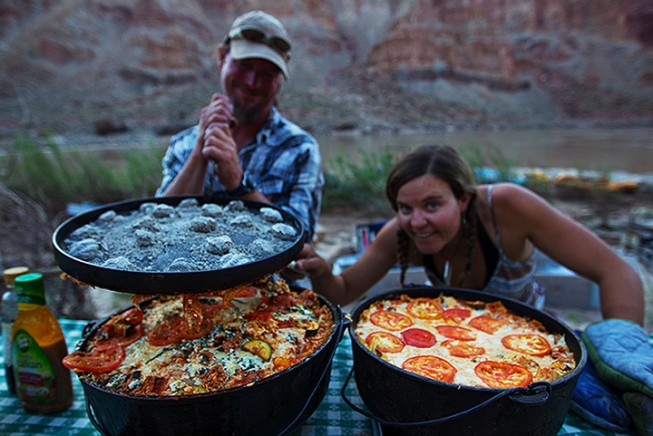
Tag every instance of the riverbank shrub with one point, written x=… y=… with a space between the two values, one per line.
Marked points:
x=54 y=176
x=358 y=184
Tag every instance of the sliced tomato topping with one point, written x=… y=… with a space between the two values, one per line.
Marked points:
x=534 y=345
x=123 y=330
x=192 y=307
x=260 y=315
x=211 y=309
x=487 y=324
x=245 y=292
x=431 y=367
x=165 y=333
x=282 y=302
x=195 y=330
x=194 y=324
x=456 y=332
x=425 y=308
x=132 y=316
x=418 y=338
x=390 y=320
x=131 y=335
x=244 y=298
x=384 y=342
x=102 y=358
x=496 y=307
x=456 y=314
x=286 y=323
x=462 y=348
x=503 y=374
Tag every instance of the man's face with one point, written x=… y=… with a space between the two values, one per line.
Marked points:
x=251 y=85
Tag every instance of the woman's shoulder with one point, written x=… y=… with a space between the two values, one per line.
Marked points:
x=501 y=188
x=516 y=204
x=389 y=228
x=505 y=193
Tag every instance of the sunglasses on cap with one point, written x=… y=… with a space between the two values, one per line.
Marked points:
x=254 y=34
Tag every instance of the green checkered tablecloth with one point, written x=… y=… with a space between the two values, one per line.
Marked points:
x=333 y=416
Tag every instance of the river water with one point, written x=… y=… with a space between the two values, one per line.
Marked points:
x=606 y=150
x=627 y=150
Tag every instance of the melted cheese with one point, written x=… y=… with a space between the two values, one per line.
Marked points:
x=562 y=361
x=217 y=360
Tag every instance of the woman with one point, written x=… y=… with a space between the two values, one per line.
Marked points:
x=476 y=237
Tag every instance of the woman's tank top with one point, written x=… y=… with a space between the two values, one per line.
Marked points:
x=510 y=278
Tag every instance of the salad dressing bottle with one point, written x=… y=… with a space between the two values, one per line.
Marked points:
x=9 y=313
x=43 y=384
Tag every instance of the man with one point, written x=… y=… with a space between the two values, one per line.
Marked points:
x=242 y=145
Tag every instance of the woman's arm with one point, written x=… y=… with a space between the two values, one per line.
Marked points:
x=524 y=216
x=359 y=277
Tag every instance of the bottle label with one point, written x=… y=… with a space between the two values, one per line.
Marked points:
x=31 y=299
x=35 y=376
x=6 y=341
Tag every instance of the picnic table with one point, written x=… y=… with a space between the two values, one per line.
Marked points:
x=332 y=417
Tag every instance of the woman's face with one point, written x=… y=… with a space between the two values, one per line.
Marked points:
x=429 y=212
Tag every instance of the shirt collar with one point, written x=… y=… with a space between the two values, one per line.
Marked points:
x=266 y=134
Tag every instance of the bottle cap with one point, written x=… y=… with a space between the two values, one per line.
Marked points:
x=11 y=274
x=30 y=289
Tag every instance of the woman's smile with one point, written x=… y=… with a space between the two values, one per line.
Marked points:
x=429 y=212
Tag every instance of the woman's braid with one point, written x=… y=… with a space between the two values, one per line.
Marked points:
x=403 y=253
x=470 y=220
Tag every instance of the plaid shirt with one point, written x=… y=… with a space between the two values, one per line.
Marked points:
x=283 y=162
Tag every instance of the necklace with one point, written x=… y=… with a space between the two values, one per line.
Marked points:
x=448 y=271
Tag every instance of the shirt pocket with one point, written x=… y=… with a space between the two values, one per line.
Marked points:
x=270 y=184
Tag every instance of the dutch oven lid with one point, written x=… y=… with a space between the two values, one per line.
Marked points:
x=244 y=235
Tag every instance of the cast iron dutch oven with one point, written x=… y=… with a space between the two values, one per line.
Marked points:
x=407 y=404
x=273 y=405
x=142 y=282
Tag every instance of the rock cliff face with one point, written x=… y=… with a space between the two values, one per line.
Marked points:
x=372 y=65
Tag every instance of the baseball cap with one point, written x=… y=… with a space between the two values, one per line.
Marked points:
x=258 y=34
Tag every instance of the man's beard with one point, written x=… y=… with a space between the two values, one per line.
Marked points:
x=245 y=115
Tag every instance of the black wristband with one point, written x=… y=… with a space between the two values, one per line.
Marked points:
x=246 y=186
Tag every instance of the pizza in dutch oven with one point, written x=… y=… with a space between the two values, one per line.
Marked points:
x=468 y=343
x=199 y=343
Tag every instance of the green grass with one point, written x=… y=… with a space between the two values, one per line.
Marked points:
x=477 y=158
x=358 y=183
x=361 y=182
x=54 y=177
